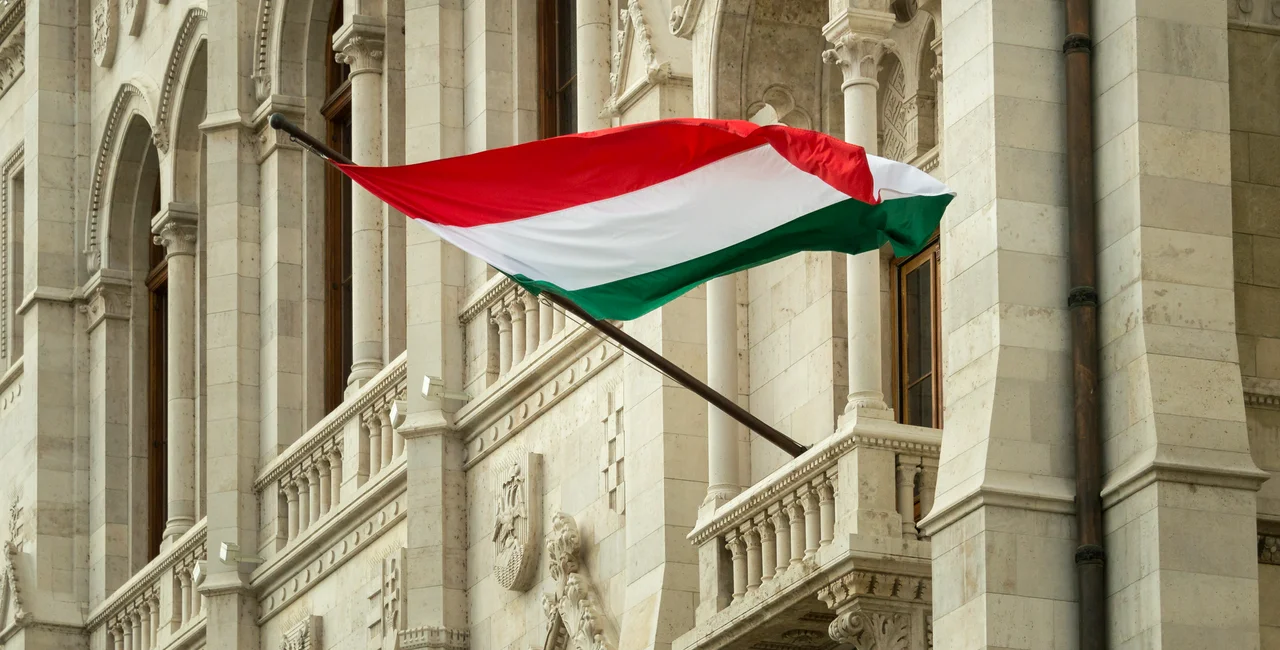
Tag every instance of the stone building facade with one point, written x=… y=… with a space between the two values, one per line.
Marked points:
x=244 y=407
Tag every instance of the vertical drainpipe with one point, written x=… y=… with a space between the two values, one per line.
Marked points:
x=1090 y=557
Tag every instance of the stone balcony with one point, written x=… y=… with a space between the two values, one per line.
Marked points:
x=824 y=551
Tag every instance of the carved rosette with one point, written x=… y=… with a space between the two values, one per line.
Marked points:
x=135 y=13
x=362 y=52
x=575 y=620
x=105 y=32
x=517 y=484
x=858 y=56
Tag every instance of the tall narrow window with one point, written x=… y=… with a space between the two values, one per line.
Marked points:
x=157 y=391
x=337 y=223
x=557 y=68
x=919 y=368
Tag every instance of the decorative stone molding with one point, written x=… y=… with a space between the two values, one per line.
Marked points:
x=780 y=99
x=270 y=139
x=182 y=45
x=261 y=46
x=897 y=116
x=859 y=57
x=13 y=41
x=434 y=638
x=872 y=630
x=1261 y=393
x=105 y=32
x=175 y=228
x=110 y=297
x=304 y=635
x=127 y=95
x=134 y=15
x=11 y=385
x=517 y=485
x=389 y=597
x=575 y=620
x=1262 y=12
x=1269 y=549
x=360 y=45
x=8 y=170
x=188 y=547
x=634 y=34
x=10 y=586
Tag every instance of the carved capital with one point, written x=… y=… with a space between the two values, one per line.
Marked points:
x=858 y=56
x=360 y=45
x=175 y=229
x=871 y=630
x=110 y=298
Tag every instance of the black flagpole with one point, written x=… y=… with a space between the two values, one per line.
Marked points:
x=644 y=352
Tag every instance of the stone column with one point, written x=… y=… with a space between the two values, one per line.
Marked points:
x=593 y=49
x=175 y=229
x=359 y=44
x=859 y=39
x=722 y=375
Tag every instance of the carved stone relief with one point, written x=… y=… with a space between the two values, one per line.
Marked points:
x=634 y=35
x=779 y=105
x=11 y=609
x=13 y=40
x=518 y=486
x=877 y=610
x=896 y=116
x=304 y=635
x=105 y=32
x=388 y=597
x=575 y=619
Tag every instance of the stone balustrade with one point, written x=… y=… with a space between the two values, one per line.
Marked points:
x=159 y=606
x=329 y=465
x=851 y=498
x=503 y=326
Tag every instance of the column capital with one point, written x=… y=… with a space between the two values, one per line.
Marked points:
x=110 y=297
x=360 y=44
x=175 y=229
x=858 y=54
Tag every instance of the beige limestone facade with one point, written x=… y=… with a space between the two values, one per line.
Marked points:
x=244 y=407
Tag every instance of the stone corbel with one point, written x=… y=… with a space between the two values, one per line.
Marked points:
x=878 y=610
x=360 y=44
x=175 y=229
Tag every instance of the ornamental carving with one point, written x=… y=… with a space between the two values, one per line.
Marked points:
x=13 y=39
x=1269 y=549
x=363 y=53
x=518 y=486
x=10 y=587
x=187 y=36
x=897 y=116
x=633 y=34
x=871 y=630
x=859 y=57
x=684 y=18
x=305 y=635
x=105 y=32
x=135 y=13
x=177 y=235
x=575 y=619
x=110 y=298
x=434 y=638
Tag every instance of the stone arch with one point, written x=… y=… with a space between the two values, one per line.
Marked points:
x=186 y=169
x=291 y=38
x=131 y=102
x=187 y=47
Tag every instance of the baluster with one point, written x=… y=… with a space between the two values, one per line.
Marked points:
x=557 y=320
x=184 y=595
x=812 y=523
x=752 y=536
x=516 y=311
x=144 y=625
x=304 y=505
x=326 y=487
x=530 y=323
x=154 y=607
x=782 y=534
x=827 y=510
x=546 y=315
x=737 y=550
x=388 y=434
x=795 y=513
x=313 y=482
x=118 y=637
x=291 y=498
x=928 y=484
x=908 y=466
x=768 y=548
x=335 y=481
x=375 y=443
x=503 y=320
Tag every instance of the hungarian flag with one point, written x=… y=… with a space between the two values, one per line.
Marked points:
x=623 y=220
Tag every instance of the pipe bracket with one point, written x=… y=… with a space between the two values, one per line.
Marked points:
x=1077 y=43
x=1091 y=554
x=1082 y=297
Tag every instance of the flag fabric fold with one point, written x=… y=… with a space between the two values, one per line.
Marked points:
x=623 y=220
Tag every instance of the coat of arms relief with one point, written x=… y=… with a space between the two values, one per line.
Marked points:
x=518 y=486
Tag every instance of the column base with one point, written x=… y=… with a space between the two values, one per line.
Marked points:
x=361 y=373
x=716 y=497
x=175 y=528
x=854 y=412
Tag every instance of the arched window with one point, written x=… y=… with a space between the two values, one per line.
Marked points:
x=157 y=389
x=557 y=68
x=337 y=227
x=919 y=362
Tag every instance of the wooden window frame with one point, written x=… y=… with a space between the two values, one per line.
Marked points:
x=337 y=229
x=902 y=267
x=551 y=51
x=157 y=283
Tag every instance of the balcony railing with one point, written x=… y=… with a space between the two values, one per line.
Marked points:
x=504 y=326
x=333 y=461
x=159 y=606
x=844 y=505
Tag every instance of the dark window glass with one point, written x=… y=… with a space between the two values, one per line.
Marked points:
x=337 y=237
x=919 y=367
x=557 y=67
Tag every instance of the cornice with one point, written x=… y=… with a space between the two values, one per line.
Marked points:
x=148 y=576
